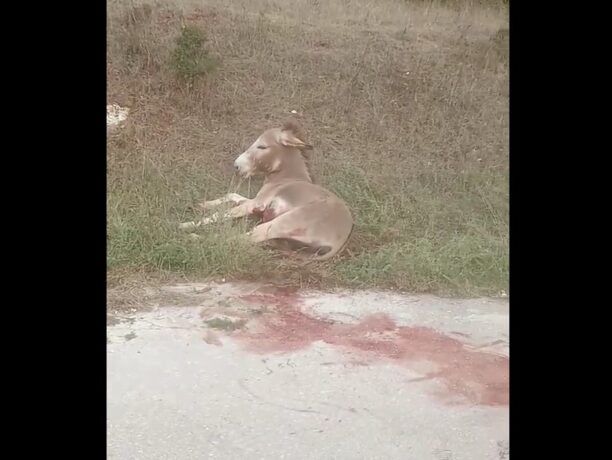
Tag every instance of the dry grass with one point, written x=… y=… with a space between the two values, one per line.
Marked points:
x=405 y=102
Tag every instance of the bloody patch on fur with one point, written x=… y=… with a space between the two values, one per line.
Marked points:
x=268 y=214
x=477 y=376
x=297 y=232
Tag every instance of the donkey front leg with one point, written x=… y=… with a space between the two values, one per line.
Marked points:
x=229 y=198
x=241 y=210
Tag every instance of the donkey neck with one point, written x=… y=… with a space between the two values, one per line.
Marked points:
x=293 y=167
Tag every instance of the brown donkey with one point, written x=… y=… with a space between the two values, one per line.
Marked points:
x=296 y=214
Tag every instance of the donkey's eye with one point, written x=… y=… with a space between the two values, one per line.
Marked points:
x=262 y=147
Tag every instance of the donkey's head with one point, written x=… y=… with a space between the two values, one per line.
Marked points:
x=276 y=150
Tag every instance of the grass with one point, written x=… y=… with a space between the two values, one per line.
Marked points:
x=405 y=102
x=190 y=58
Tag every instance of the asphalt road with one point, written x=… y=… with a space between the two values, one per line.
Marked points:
x=236 y=372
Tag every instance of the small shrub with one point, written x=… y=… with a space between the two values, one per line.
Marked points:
x=190 y=59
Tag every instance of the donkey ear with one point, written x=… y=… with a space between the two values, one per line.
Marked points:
x=290 y=137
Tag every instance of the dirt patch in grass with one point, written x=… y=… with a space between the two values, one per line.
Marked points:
x=406 y=104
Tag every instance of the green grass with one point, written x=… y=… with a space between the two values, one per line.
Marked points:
x=405 y=102
x=190 y=59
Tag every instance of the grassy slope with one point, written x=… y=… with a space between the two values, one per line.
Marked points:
x=405 y=102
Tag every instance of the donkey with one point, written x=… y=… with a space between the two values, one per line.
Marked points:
x=295 y=213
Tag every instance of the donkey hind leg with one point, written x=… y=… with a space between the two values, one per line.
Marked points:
x=286 y=234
